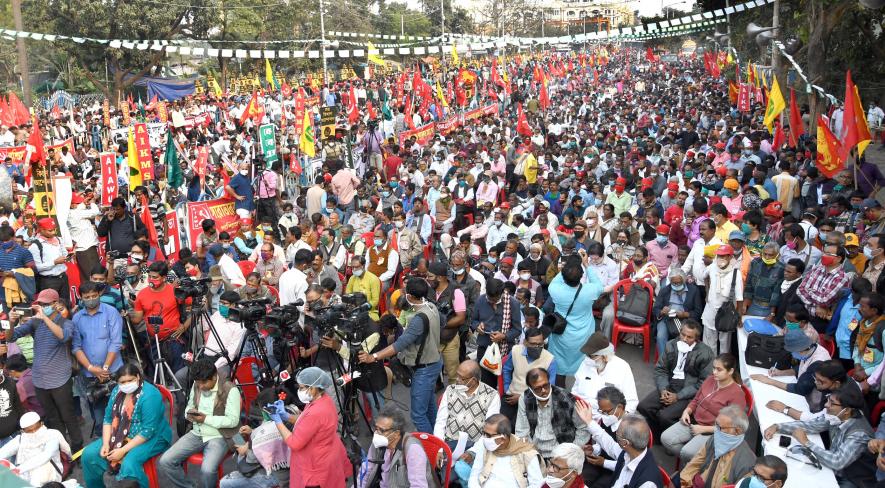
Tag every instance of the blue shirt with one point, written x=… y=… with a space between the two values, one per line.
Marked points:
x=98 y=334
x=52 y=360
x=243 y=187
x=848 y=314
x=13 y=256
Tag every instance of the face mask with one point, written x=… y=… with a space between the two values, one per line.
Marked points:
x=91 y=303
x=554 y=482
x=48 y=310
x=193 y=272
x=226 y=245
x=827 y=260
x=769 y=262
x=637 y=263
x=725 y=193
x=304 y=396
x=224 y=310
x=533 y=353
x=823 y=236
x=662 y=240
x=745 y=228
x=385 y=194
x=379 y=441
x=724 y=443
x=591 y=222
x=540 y=398
x=266 y=255
x=755 y=482
x=722 y=263
x=868 y=252
x=535 y=258
x=498 y=222
x=493 y=259
x=128 y=388
x=791 y=325
x=458 y=271
x=579 y=233
x=136 y=258
x=834 y=420
x=490 y=444
x=358 y=272
x=525 y=276
x=399 y=224
x=792 y=244
x=248 y=234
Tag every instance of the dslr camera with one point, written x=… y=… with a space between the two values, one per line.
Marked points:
x=191 y=288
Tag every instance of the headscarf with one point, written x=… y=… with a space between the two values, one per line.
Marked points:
x=124 y=406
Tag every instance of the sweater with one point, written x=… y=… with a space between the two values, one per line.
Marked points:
x=710 y=399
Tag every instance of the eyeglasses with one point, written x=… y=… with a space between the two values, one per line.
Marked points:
x=383 y=431
x=557 y=468
x=493 y=435
x=832 y=404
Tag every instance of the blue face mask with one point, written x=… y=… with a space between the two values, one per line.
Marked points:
x=493 y=259
x=662 y=240
x=679 y=287
x=393 y=184
x=379 y=242
x=791 y=325
x=48 y=310
x=385 y=194
x=224 y=310
x=755 y=482
x=800 y=357
x=724 y=443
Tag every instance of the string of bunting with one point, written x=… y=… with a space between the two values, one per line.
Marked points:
x=808 y=85
x=676 y=26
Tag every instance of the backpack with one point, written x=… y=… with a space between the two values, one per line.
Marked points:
x=66 y=465
x=633 y=307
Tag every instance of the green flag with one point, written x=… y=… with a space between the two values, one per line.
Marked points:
x=173 y=170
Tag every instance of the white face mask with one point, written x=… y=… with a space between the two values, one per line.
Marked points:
x=304 y=396
x=834 y=420
x=244 y=172
x=525 y=276
x=379 y=441
x=554 y=482
x=683 y=347
x=128 y=388
x=358 y=272
x=460 y=388
x=544 y=398
x=609 y=420
x=490 y=444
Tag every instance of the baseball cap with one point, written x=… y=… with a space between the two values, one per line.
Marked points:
x=725 y=250
x=852 y=240
x=46 y=296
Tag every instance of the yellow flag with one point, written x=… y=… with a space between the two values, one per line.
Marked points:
x=454 y=53
x=374 y=58
x=134 y=165
x=439 y=94
x=307 y=144
x=269 y=76
x=729 y=59
x=776 y=105
x=214 y=86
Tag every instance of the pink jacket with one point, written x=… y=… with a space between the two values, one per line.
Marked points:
x=318 y=455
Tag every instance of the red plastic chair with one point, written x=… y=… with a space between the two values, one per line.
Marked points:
x=665 y=478
x=748 y=397
x=197 y=459
x=828 y=344
x=274 y=293
x=150 y=467
x=245 y=379
x=246 y=267
x=623 y=287
x=876 y=414
x=432 y=446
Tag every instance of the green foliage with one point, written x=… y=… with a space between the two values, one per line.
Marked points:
x=392 y=17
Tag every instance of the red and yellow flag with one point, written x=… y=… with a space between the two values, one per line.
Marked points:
x=828 y=161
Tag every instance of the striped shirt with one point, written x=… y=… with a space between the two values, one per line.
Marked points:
x=52 y=357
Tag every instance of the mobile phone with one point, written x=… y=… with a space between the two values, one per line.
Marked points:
x=784 y=441
x=238 y=440
x=24 y=311
x=191 y=413
x=268 y=411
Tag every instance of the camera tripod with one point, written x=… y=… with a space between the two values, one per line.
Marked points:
x=132 y=337
x=347 y=396
x=162 y=370
x=199 y=315
x=266 y=377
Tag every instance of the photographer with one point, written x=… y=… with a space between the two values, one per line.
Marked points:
x=418 y=348
x=230 y=332
x=96 y=341
x=52 y=362
x=158 y=306
x=119 y=225
x=453 y=309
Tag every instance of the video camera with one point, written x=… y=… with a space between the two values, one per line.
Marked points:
x=192 y=288
x=249 y=312
x=347 y=319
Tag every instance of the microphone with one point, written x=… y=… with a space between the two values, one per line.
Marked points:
x=347 y=378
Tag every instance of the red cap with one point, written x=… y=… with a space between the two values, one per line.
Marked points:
x=720 y=145
x=46 y=223
x=246 y=221
x=774 y=209
x=647 y=183
x=46 y=296
x=621 y=182
x=721 y=171
x=76 y=199
x=711 y=155
x=505 y=206
x=725 y=250
x=689 y=154
x=327 y=177
x=672 y=185
x=507 y=260
x=663 y=229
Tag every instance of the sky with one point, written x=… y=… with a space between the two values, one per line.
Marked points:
x=647 y=8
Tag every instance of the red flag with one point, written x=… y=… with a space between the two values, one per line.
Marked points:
x=733 y=92
x=286 y=90
x=650 y=55
x=850 y=136
x=38 y=154
x=408 y=114
x=744 y=98
x=254 y=110
x=796 y=127
x=353 y=112
x=55 y=112
x=148 y=221
x=371 y=110
x=7 y=116
x=294 y=164
x=522 y=123
x=544 y=98
x=779 y=137
x=22 y=116
x=828 y=161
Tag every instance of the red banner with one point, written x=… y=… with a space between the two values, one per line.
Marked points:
x=56 y=148
x=449 y=125
x=173 y=237
x=221 y=211
x=422 y=134
x=17 y=153
x=162 y=113
x=299 y=112
x=202 y=160
x=490 y=110
x=109 y=183
x=143 y=149
x=124 y=108
x=744 y=98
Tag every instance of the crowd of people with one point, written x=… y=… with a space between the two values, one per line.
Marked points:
x=489 y=267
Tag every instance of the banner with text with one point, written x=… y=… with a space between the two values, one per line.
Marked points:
x=109 y=184
x=173 y=237
x=421 y=134
x=143 y=151
x=16 y=153
x=268 y=143
x=220 y=210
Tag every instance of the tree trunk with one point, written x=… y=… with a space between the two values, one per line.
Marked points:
x=822 y=19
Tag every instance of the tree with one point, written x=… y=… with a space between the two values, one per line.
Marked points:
x=458 y=20
x=398 y=17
